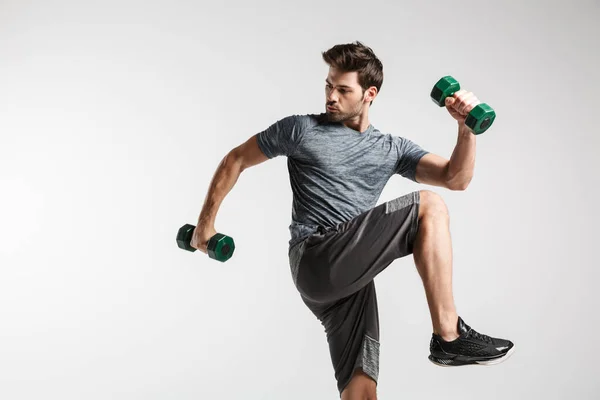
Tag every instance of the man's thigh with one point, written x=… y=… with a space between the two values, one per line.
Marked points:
x=341 y=261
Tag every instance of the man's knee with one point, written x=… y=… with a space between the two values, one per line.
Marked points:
x=431 y=204
x=361 y=387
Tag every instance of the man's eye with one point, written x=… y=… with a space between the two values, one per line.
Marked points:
x=328 y=86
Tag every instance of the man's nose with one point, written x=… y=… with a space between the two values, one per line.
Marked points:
x=331 y=97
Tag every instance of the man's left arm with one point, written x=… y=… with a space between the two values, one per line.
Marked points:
x=457 y=172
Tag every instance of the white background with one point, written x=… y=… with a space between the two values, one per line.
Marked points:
x=115 y=114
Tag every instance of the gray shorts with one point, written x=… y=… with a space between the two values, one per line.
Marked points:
x=333 y=270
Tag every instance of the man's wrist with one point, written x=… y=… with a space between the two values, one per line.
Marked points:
x=207 y=221
x=463 y=129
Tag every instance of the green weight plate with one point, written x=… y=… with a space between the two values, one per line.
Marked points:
x=480 y=118
x=445 y=87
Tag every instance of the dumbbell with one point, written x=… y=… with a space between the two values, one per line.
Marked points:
x=220 y=247
x=480 y=118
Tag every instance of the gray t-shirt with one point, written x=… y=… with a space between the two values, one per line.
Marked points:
x=336 y=172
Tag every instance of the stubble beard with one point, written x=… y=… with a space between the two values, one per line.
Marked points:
x=344 y=116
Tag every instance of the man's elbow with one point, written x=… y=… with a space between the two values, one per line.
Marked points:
x=459 y=185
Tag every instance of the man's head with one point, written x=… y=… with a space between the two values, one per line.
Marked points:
x=354 y=79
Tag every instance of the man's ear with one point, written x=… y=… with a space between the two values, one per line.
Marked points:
x=370 y=94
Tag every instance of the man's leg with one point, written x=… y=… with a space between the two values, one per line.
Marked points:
x=352 y=327
x=433 y=257
x=335 y=276
x=432 y=253
x=453 y=342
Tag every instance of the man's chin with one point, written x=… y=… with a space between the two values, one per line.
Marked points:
x=334 y=116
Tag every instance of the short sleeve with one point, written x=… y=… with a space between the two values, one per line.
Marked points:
x=409 y=154
x=281 y=138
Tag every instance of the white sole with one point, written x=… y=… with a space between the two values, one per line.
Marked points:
x=486 y=363
x=498 y=360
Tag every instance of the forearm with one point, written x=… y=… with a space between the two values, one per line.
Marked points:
x=462 y=161
x=224 y=179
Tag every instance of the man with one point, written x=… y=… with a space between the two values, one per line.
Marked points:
x=338 y=165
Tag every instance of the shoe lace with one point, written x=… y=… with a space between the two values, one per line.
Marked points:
x=480 y=336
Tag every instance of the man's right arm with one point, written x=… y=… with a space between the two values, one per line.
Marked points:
x=237 y=160
x=249 y=154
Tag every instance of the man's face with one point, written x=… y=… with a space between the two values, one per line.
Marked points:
x=344 y=94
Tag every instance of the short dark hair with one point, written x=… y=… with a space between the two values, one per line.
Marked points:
x=357 y=57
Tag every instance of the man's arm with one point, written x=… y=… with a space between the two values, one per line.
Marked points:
x=237 y=160
x=453 y=174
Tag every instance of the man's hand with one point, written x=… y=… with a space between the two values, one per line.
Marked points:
x=202 y=235
x=460 y=104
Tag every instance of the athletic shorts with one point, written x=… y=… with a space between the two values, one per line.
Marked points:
x=334 y=270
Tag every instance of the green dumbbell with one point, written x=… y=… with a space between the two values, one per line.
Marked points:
x=480 y=118
x=220 y=247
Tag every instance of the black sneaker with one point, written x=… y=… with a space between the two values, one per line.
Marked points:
x=471 y=347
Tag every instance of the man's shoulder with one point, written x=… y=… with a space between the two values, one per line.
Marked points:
x=311 y=120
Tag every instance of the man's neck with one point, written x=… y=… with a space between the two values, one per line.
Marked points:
x=359 y=123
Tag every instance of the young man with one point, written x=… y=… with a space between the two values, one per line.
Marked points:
x=338 y=165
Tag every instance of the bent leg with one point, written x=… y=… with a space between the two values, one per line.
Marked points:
x=342 y=261
x=334 y=275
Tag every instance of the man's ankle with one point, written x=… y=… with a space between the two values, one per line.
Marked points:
x=448 y=329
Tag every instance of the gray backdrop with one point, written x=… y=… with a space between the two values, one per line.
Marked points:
x=115 y=114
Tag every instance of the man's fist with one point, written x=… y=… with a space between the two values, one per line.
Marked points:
x=460 y=104
x=202 y=235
